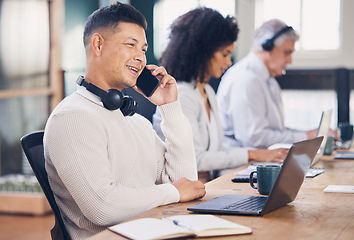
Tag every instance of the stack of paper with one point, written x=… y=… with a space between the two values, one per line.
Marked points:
x=339 y=189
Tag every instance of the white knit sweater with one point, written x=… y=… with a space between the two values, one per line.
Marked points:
x=105 y=168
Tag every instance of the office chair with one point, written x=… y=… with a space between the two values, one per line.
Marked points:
x=32 y=145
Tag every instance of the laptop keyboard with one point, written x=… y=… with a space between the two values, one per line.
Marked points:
x=252 y=203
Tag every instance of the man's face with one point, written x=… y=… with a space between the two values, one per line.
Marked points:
x=279 y=57
x=123 y=55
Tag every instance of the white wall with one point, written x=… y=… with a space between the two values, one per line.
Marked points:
x=245 y=13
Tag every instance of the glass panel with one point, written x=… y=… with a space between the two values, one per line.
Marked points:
x=288 y=11
x=226 y=8
x=24 y=64
x=319 y=32
x=24 y=42
x=166 y=11
x=324 y=26
x=302 y=108
x=70 y=80
x=18 y=117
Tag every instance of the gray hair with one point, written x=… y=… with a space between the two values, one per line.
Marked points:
x=268 y=30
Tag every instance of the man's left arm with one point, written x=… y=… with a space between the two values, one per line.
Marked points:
x=176 y=155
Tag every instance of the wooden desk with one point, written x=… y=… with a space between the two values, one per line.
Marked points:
x=29 y=227
x=313 y=215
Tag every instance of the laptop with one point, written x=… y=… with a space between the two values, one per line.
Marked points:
x=323 y=130
x=284 y=191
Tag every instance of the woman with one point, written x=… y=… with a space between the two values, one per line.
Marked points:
x=200 y=47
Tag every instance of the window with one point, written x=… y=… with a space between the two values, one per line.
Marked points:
x=315 y=20
x=302 y=108
x=166 y=11
x=24 y=43
x=318 y=24
x=24 y=76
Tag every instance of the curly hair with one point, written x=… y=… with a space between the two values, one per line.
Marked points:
x=193 y=40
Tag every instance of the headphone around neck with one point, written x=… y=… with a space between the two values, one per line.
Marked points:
x=112 y=99
x=268 y=44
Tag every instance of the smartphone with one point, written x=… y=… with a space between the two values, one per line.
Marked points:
x=147 y=82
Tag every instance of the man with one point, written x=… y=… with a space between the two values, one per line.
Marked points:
x=105 y=166
x=249 y=97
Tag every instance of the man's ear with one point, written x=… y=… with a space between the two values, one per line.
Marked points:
x=97 y=43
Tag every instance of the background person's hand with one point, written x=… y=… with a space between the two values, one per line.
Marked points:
x=264 y=155
x=312 y=133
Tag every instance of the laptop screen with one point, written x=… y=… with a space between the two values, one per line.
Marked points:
x=324 y=127
x=292 y=174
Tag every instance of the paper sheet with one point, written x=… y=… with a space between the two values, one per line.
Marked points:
x=339 y=189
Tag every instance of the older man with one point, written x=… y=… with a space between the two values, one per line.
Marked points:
x=249 y=96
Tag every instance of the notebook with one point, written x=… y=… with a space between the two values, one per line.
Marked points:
x=191 y=225
x=284 y=191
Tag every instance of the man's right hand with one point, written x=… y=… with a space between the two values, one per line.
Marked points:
x=167 y=91
x=189 y=190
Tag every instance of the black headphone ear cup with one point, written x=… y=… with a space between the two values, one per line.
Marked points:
x=113 y=99
x=268 y=44
x=129 y=106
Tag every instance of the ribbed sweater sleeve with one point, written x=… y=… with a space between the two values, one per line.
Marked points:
x=180 y=156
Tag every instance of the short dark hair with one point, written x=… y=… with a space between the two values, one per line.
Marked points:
x=110 y=16
x=193 y=40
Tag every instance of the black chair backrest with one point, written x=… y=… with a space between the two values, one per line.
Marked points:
x=32 y=145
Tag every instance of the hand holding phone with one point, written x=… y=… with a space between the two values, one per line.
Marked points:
x=147 y=82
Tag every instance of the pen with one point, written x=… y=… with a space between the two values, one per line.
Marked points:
x=180 y=224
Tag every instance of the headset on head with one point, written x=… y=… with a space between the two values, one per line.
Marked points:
x=268 y=44
x=112 y=99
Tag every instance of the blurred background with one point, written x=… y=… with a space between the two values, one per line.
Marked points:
x=41 y=56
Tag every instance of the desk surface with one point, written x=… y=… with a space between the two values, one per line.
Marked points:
x=313 y=215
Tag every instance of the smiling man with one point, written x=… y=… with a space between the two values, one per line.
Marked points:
x=105 y=164
x=249 y=96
